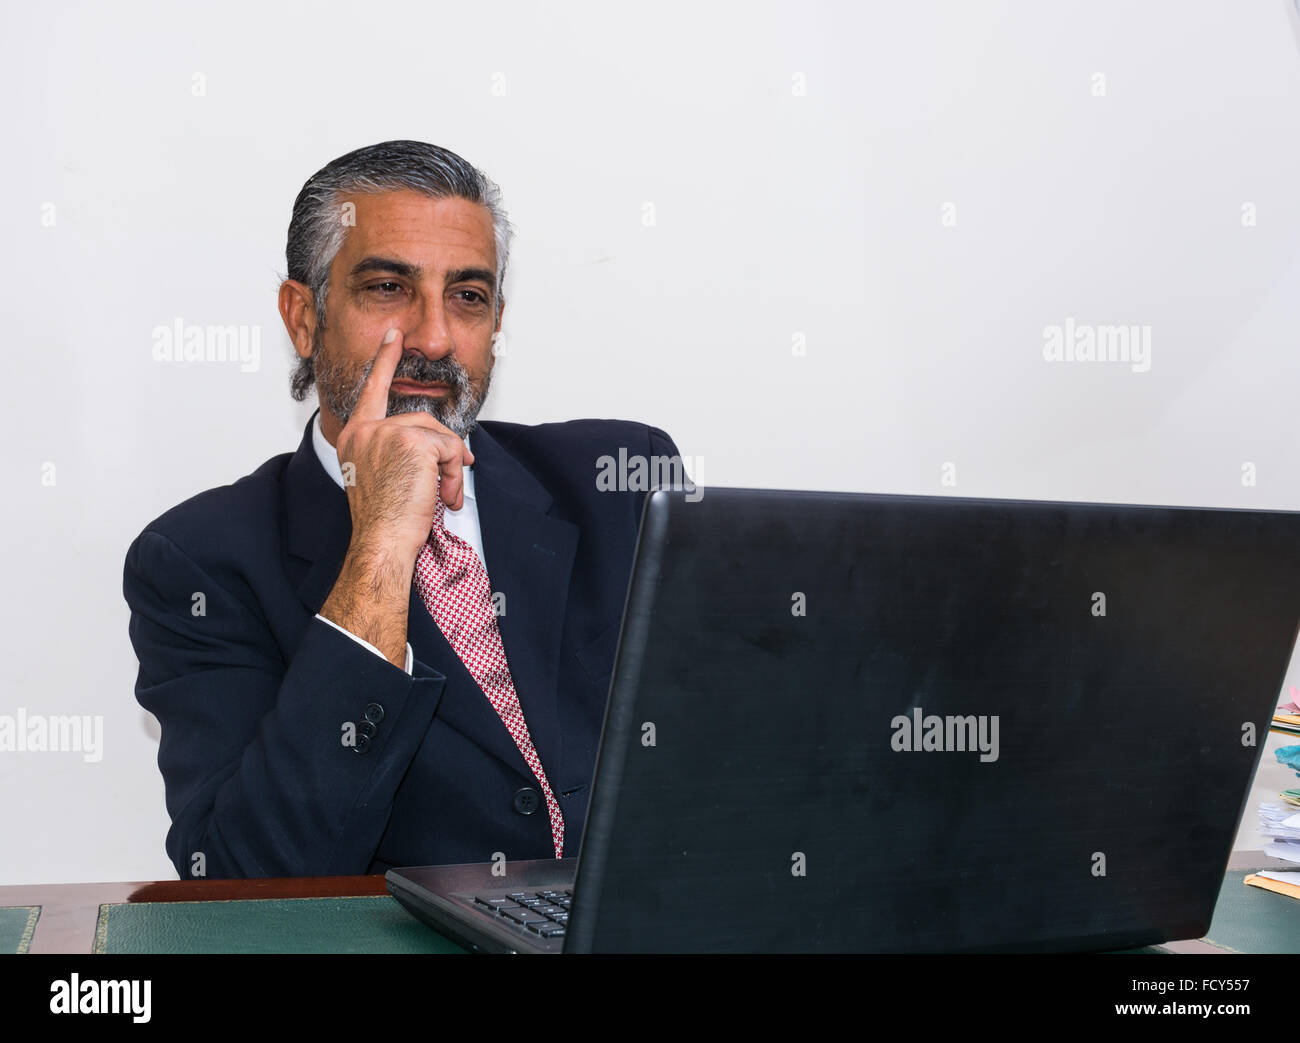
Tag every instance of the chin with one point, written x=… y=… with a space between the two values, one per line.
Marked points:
x=442 y=410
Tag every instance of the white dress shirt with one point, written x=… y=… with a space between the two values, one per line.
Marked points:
x=462 y=523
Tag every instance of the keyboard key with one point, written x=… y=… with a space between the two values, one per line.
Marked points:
x=496 y=904
x=523 y=916
x=551 y=931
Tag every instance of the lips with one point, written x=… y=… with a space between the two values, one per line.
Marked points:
x=415 y=387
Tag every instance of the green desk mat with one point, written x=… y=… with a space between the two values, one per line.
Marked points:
x=1250 y=919
x=362 y=924
x=16 y=925
x=1246 y=919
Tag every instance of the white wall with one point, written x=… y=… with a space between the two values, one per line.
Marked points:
x=777 y=213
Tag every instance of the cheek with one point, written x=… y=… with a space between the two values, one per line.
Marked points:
x=337 y=365
x=479 y=374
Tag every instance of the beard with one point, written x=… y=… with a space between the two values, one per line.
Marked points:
x=338 y=387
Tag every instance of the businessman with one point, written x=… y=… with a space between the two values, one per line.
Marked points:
x=392 y=646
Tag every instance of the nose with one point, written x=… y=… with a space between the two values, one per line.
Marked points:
x=429 y=332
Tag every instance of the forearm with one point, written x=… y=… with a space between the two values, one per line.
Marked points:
x=370 y=599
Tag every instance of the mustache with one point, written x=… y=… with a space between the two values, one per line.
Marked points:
x=445 y=370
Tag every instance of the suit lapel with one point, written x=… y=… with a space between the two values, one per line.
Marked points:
x=529 y=559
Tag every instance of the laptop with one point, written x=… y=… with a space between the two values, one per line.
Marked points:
x=879 y=723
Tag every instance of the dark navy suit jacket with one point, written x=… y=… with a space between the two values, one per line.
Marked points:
x=253 y=692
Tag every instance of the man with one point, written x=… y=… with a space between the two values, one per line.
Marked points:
x=341 y=688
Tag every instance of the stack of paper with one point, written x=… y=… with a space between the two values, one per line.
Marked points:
x=1281 y=822
x=1287 y=717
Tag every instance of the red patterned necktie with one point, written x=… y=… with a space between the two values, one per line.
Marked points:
x=453 y=585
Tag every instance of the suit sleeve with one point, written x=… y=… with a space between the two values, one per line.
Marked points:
x=259 y=777
x=410 y=655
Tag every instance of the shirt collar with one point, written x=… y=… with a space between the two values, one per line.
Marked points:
x=329 y=458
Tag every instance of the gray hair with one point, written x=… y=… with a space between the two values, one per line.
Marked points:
x=316 y=231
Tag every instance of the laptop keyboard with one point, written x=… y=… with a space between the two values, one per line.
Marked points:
x=543 y=913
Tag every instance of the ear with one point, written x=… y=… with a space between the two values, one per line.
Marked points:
x=298 y=310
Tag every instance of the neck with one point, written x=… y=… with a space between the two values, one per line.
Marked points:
x=330 y=427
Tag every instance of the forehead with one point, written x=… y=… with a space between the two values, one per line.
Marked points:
x=421 y=230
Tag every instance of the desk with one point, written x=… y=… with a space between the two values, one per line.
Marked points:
x=71 y=913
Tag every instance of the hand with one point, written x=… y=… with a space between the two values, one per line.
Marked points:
x=401 y=465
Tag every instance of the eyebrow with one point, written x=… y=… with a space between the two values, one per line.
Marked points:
x=414 y=271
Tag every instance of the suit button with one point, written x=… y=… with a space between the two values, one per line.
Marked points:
x=374 y=713
x=363 y=743
x=367 y=729
x=526 y=800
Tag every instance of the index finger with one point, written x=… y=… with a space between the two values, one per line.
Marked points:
x=373 y=402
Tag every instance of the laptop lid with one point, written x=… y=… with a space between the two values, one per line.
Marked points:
x=896 y=723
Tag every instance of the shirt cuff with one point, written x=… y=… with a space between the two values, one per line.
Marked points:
x=410 y=657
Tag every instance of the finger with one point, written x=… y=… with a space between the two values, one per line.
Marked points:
x=373 y=402
x=431 y=423
x=450 y=452
x=451 y=487
x=451 y=471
